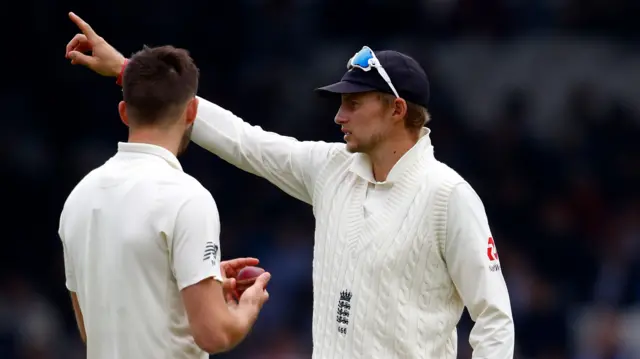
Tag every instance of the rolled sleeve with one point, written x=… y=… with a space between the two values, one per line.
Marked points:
x=474 y=266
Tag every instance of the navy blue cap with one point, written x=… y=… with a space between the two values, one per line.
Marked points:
x=406 y=75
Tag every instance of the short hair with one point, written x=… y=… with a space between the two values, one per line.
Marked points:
x=157 y=83
x=417 y=116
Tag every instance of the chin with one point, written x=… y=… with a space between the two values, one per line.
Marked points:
x=352 y=147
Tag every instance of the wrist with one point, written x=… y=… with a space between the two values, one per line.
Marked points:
x=240 y=323
x=249 y=314
x=120 y=70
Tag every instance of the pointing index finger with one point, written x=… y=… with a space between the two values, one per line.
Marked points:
x=84 y=27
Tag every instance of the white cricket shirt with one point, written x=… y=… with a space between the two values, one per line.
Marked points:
x=395 y=263
x=136 y=231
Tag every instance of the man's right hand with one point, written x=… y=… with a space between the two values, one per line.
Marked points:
x=256 y=295
x=103 y=58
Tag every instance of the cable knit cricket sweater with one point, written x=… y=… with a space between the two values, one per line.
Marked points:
x=392 y=284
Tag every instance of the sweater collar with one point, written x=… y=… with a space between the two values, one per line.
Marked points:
x=362 y=167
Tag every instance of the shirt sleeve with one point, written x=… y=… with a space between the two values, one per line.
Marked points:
x=195 y=243
x=472 y=261
x=291 y=165
x=70 y=278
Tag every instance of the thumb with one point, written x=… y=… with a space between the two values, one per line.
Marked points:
x=263 y=279
x=78 y=58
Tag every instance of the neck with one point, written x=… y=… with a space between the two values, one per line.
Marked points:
x=387 y=154
x=153 y=136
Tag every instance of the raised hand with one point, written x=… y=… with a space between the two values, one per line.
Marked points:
x=103 y=58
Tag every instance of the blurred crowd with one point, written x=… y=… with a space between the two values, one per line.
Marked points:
x=536 y=103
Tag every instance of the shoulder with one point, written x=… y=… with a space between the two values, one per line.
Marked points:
x=179 y=188
x=444 y=179
x=449 y=191
x=83 y=190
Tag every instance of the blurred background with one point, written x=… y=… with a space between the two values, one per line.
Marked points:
x=535 y=102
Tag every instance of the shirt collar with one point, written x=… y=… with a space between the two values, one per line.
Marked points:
x=149 y=149
x=362 y=167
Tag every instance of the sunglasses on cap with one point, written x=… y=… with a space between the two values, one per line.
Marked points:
x=365 y=60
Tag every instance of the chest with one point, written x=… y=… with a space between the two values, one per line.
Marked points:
x=355 y=217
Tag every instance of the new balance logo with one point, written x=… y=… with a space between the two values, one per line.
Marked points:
x=210 y=252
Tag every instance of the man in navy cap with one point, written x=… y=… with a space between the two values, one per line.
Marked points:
x=402 y=242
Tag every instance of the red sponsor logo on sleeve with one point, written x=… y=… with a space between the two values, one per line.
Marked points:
x=492 y=252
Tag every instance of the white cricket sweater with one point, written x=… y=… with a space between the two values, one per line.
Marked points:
x=391 y=283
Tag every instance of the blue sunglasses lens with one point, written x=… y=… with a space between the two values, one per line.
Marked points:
x=362 y=58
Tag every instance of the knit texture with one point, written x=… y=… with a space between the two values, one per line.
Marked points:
x=381 y=286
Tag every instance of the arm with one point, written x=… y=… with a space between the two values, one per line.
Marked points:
x=195 y=255
x=79 y=318
x=290 y=164
x=474 y=267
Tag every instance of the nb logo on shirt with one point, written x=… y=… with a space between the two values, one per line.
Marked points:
x=210 y=252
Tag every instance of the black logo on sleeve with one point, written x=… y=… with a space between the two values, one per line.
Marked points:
x=344 y=307
x=211 y=253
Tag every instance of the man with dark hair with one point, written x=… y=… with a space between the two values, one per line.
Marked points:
x=141 y=237
x=161 y=84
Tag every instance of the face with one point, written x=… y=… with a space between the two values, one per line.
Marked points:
x=365 y=121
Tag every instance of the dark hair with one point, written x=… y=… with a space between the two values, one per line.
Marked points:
x=157 y=84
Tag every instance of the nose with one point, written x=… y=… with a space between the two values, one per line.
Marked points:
x=340 y=119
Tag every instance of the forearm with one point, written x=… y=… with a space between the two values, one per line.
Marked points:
x=231 y=329
x=227 y=136
x=284 y=161
x=79 y=318
x=244 y=317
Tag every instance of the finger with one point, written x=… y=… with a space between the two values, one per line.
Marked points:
x=239 y=263
x=263 y=279
x=78 y=58
x=250 y=261
x=75 y=43
x=243 y=262
x=229 y=284
x=223 y=271
x=228 y=297
x=84 y=27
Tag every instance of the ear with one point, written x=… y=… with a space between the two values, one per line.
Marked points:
x=192 y=110
x=122 y=109
x=399 y=109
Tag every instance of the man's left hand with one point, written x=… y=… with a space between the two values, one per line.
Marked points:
x=230 y=270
